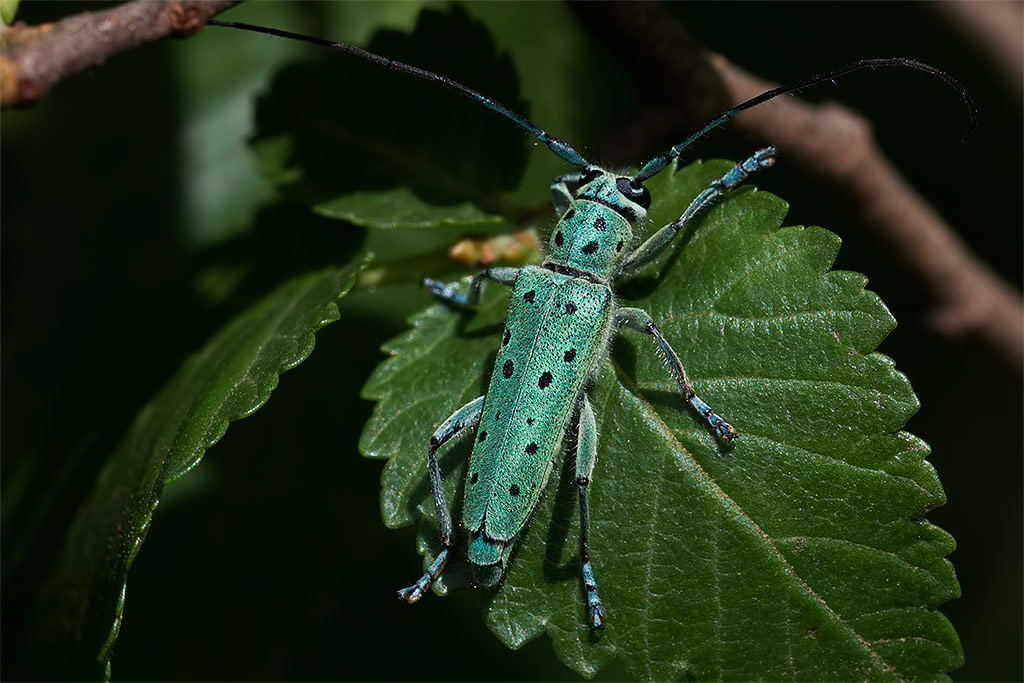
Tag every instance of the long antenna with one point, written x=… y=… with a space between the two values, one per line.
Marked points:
x=658 y=163
x=562 y=149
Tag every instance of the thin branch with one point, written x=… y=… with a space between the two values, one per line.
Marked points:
x=35 y=58
x=832 y=148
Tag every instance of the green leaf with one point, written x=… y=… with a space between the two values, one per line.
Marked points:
x=400 y=208
x=799 y=552
x=230 y=378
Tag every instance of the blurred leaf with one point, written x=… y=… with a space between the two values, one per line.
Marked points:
x=800 y=552
x=342 y=125
x=222 y=187
x=230 y=378
x=8 y=10
x=564 y=76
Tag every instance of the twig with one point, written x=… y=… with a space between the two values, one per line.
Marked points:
x=35 y=58
x=833 y=148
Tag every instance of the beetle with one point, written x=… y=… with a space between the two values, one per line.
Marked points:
x=561 y=318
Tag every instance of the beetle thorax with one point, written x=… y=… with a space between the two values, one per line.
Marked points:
x=596 y=233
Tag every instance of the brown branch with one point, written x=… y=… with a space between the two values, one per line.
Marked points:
x=996 y=28
x=832 y=148
x=672 y=57
x=35 y=58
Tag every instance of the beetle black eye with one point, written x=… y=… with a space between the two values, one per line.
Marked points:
x=639 y=195
x=590 y=176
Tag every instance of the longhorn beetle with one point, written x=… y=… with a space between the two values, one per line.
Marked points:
x=561 y=317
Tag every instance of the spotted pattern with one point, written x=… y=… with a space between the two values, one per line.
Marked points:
x=532 y=394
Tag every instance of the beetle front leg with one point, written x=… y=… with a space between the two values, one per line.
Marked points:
x=656 y=243
x=639 y=320
x=465 y=417
x=449 y=291
x=560 y=194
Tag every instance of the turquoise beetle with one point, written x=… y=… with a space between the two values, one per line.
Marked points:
x=561 y=318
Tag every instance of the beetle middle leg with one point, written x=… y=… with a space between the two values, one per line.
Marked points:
x=640 y=320
x=466 y=417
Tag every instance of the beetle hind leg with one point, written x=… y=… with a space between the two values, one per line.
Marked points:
x=586 y=454
x=465 y=417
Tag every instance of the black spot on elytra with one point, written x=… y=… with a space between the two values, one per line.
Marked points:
x=618 y=247
x=508 y=335
x=483 y=436
x=545 y=380
x=528 y=297
x=507 y=368
x=589 y=248
x=559 y=240
x=497 y=416
x=532 y=448
x=570 y=308
x=529 y=420
x=599 y=223
x=476 y=475
x=514 y=489
x=569 y=214
x=569 y=356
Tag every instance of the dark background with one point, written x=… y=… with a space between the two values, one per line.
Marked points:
x=269 y=560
